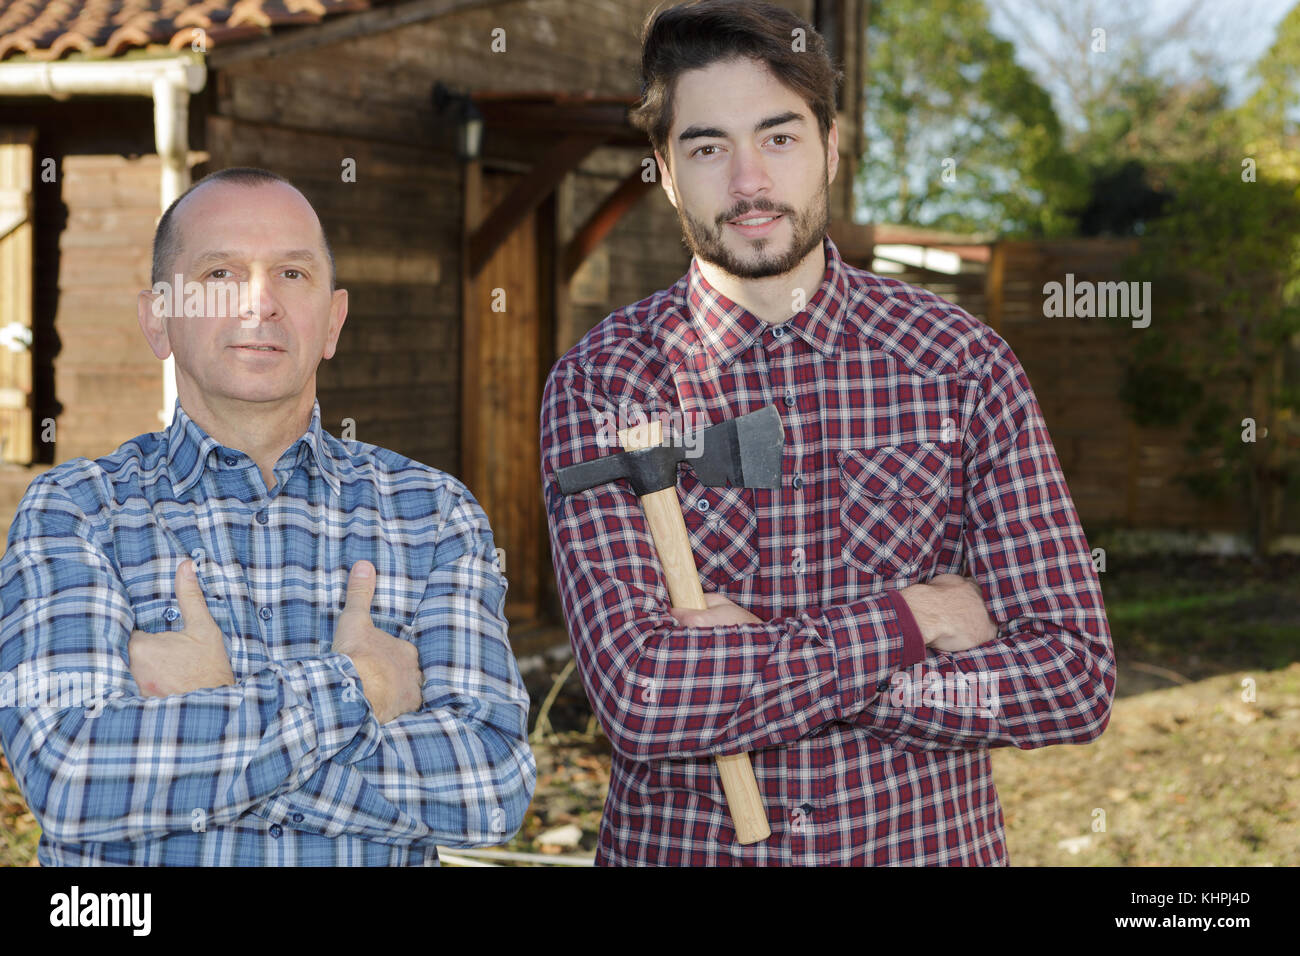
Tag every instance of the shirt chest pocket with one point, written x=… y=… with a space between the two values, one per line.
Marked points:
x=723 y=529
x=893 y=504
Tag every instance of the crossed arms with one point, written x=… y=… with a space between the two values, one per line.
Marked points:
x=299 y=742
x=668 y=685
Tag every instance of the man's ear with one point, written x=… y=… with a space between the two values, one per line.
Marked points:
x=151 y=310
x=833 y=150
x=665 y=179
x=338 y=313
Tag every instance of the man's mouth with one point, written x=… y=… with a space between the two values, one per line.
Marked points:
x=755 y=224
x=258 y=348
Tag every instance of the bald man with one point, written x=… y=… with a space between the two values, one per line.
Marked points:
x=242 y=641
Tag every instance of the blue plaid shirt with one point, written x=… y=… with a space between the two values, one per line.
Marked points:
x=289 y=766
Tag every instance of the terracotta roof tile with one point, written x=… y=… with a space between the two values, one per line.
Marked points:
x=51 y=29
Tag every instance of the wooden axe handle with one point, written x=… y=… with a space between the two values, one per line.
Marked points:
x=663 y=512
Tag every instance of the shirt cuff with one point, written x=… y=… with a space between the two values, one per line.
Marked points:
x=873 y=638
x=346 y=728
x=914 y=649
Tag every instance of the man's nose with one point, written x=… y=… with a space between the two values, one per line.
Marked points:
x=257 y=302
x=749 y=178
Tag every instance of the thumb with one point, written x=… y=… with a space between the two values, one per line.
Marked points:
x=361 y=588
x=193 y=605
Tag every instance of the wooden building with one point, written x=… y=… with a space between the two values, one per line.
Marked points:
x=108 y=112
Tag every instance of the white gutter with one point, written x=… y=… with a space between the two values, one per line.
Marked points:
x=169 y=81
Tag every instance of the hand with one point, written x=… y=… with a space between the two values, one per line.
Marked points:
x=950 y=612
x=720 y=613
x=389 y=667
x=176 y=662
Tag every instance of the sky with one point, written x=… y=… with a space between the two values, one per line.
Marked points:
x=1230 y=34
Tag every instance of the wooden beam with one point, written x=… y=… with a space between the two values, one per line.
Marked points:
x=996 y=282
x=561 y=159
x=336 y=29
x=598 y=225
x=607 y=120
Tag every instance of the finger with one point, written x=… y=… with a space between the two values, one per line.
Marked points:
x=946 y=580
x=189 y=597
x=361 y=588
x=682 y=615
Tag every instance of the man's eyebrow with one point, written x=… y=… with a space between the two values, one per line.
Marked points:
x=218 y=255
x=713 y=132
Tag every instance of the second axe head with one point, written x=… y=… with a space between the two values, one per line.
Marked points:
x=743 y=452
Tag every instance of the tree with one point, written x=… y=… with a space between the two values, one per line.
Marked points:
x=960 y=136
x=1224 y=263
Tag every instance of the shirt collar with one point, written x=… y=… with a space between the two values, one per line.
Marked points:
x=726 y=329
x=190 y=450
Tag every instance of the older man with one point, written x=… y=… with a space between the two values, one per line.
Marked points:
x=291 y=649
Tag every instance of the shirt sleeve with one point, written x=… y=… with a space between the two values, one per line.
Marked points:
x=661 y=691
x=459 y=771
x=97 y=761
x=1049 y=677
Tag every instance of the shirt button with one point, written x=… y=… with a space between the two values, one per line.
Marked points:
x=796 y=482
x=171 y=614
x=261 y=517
x=197 y=554
x=778 y=331
x=297 y=818
x=265 y=614
x=702 y=505
x=230 y=461
x=789 y=399
x=276 y=830
x=882 y=686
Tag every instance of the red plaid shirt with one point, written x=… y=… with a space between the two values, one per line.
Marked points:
x=914 y=447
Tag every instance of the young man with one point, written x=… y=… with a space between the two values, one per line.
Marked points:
x=841 y=649
x=288 y=650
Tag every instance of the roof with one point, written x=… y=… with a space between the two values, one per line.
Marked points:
x=54 y=29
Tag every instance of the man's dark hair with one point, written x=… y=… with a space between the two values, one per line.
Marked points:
x=166 y=240
x=695 y=35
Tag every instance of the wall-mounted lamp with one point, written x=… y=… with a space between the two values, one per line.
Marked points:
x=469 y=131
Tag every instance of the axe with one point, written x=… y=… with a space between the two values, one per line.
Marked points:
x=743 y=452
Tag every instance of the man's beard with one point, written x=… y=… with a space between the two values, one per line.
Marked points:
x=808 y=227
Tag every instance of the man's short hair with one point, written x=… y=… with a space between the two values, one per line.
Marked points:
x=695 y=35
x=166 y=239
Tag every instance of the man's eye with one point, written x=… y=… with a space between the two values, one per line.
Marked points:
x=214 y=273
x=780 y=136
x=293 y=273
x=701 y=149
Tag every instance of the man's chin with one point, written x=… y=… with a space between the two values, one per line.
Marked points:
x=756 y=265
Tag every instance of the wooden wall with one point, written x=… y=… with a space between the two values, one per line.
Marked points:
x=93 y=372
x=1120 y=475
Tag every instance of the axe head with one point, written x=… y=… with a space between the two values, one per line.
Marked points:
x=743 y=452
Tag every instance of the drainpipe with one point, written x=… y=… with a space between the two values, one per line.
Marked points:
x=169 y=82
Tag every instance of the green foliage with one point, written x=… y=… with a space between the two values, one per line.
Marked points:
x=1223 y=263
x=942 y=86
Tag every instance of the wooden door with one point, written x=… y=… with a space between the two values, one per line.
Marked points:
x=506 y=352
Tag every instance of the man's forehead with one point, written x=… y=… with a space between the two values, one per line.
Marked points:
x=216 y=214
x=736 y=107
